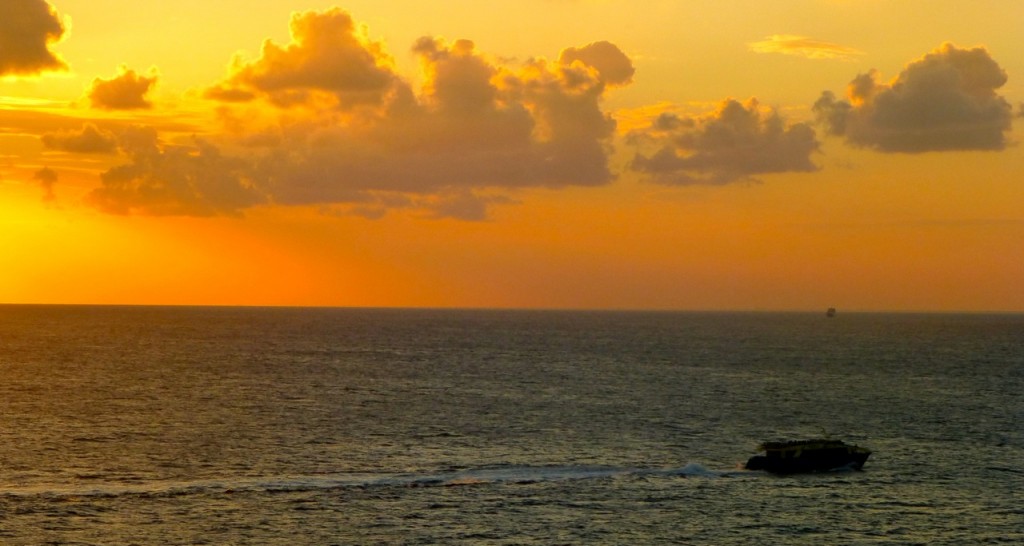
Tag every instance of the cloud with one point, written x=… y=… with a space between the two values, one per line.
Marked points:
x=47 y=179
x=32 y=121
x=162 y=179
x=89 y=140
x=736 y=142
x=945 y=100
x=614 y=66
x=475 y=125
x=329 y=57
x=802 y=46
x=475 y=130
x=126 y=91
x=464 y=205
x=27 y=30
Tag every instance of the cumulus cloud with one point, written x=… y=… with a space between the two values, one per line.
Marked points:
x=614 y=66
x=89 y=140
x=475 y=125
x=27 y=30
x=163 y=179
x=945 y=100
x=126 y=91
x=333 y=159
x=802 y=46
x=737 y=142
x=476 y=129
x=47 y=179
x=329 y=56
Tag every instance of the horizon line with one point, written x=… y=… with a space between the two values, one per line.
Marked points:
x=723 y=310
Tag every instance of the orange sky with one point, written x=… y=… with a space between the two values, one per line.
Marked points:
x=538 y=153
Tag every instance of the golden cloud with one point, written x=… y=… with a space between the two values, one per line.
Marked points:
x=477 y=128
x=615 y=67
x=946 y=100
x=329 y=55
x=175 y=180
x=126 y=91
x=734 y=143
x=47 y=179
x=27 y=30
x=89 y=140
x=802 y=46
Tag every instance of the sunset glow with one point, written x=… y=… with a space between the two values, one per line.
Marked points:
x=539 y=153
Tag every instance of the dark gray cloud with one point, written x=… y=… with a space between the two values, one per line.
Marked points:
x=946 y=100
x=735 y=143
x=27 y=30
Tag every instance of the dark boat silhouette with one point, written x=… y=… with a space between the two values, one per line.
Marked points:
x=814 y=455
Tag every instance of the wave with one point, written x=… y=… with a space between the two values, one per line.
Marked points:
x=498 y=474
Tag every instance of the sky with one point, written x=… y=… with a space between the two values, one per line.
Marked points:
x=582 y=154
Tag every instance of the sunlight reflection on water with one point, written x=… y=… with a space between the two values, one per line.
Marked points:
x=188 y=425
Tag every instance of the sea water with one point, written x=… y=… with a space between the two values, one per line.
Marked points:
x=177 y=425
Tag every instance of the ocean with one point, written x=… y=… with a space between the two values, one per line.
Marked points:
x=191 y=425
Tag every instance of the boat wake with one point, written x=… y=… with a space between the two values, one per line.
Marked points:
x=533 y=474
x=498 y=474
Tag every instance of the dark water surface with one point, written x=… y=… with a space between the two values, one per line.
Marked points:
x=139 y=425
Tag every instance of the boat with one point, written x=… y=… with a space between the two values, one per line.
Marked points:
x=814 y=455
x=831 y=312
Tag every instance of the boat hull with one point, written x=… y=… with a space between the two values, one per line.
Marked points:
x=809 y=456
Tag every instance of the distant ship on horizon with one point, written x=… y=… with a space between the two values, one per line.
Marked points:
x=831 y=312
